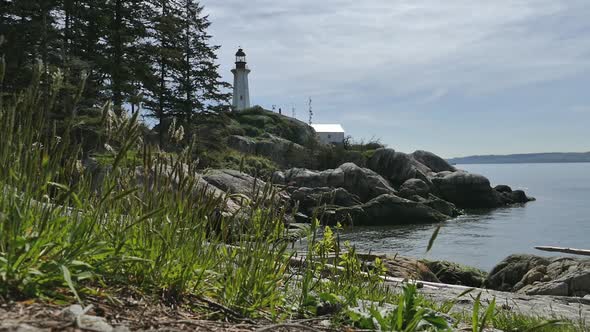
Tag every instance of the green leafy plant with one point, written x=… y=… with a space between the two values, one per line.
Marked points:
x=408 y=316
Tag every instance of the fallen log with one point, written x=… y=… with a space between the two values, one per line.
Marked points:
x=582 y=252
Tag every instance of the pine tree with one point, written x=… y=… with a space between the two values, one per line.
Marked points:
x=131 y=51
x=30 y=36
x=164 y=54
x=127 y=32
x=199 y=87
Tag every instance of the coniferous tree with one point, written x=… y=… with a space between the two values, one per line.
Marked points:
x=164 y=54
x=199 y=87
x=155 y=52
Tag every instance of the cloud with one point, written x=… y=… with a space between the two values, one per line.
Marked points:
x=581 y=109
x=390 y=58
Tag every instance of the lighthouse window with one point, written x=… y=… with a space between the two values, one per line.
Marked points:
x=241 y=97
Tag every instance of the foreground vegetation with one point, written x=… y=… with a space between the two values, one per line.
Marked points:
x=67 y=235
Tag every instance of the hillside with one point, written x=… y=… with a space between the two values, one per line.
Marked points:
x=552 y=157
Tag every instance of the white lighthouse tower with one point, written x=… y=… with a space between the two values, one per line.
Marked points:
x=241 y=99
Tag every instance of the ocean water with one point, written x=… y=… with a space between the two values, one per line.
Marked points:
x=559 y=217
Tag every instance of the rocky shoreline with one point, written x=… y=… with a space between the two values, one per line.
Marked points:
x=519 y=274
x=396 y=188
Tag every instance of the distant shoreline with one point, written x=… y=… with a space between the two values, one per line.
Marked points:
x=517 y=162
x=531 y=158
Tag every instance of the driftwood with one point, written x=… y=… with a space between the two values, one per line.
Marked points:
x=582 y=252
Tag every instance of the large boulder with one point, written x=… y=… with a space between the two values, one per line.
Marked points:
x=402 y=267
x=432 y=161
x=467 y=190
x=275 y=148
x=280 y=150
x=397 y=167
x=456 y=274
x=235 y=182
x=169 y=177
x=389 y=209
x=511 y=270
x=533 y=275
x=242 y=144
x=414 y=187
x=309 y=198
x=510 y=196
x=442 y=206
x=362 y=182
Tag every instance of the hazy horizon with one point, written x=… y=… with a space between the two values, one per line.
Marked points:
x=457 y=78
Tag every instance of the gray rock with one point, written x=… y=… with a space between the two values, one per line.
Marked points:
x=278 y=177
x=456 y=274
x=393 y=210
x=397 y=167
x=432 y=161
x=414 y=187
x=442 y=206
x=503 y=188
x=242 y=144
x=280 y=150
x=533 y=275
x=173 y=178
x=235 y=182
x=362 y=182
x=332 y=214
x=511 y=270
x=275 y=148
x=547 y=288
x=467 y=190
x=516 y=196
x=310 y=198
x=76 y=314
x=302 y=177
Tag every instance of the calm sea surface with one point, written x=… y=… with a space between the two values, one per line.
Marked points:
x=559 y=217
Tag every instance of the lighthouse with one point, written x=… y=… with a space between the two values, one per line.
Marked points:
x=241 y=98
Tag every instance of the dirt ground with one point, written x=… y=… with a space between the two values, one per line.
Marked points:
x=133 y=314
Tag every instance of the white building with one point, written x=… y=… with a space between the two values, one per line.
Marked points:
x=241 y=99
x=329 y=133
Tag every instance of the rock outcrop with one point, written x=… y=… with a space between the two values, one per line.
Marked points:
x=414 y=187
x=242 y=143
x=280 y=150
x=235 y=182
x=394 y=210
x=311 y=198
x=433 y=162
x=534 y=275
x=397 y=167
x=422 y=172
x=362 y=182
x=456 y=274
x=401 y=267
x=467 y=190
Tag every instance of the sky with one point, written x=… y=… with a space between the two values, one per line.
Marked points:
x=455 y=77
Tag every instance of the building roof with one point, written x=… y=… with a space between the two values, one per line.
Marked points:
x=328 y=128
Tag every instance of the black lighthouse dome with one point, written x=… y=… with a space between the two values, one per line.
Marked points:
x=240 y=56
